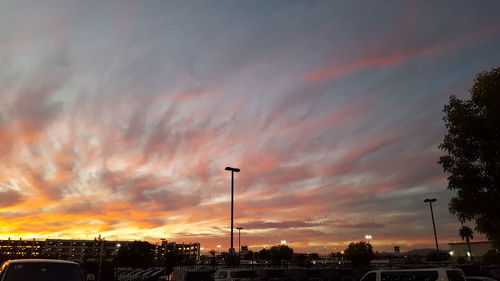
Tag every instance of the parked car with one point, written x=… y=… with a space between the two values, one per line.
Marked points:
x=235 y=274
x=495 y=274
x=190 y=275
x=479 y=278
x=423 y=274
x=40 y=270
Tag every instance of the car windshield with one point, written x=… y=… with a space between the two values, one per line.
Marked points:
x=43 y=271
x=243 y=274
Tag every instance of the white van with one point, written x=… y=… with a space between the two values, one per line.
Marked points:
x=421 y=274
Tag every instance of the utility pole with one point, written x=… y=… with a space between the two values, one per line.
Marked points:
x=233 y=170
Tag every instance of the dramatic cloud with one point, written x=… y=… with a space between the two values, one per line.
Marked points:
x=118 y=118
x=9 y=198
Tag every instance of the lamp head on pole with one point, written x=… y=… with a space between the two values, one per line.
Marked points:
x=232 y=169
x=240 y=228
x=430 y=200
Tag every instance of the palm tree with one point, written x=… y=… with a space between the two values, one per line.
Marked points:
x=466 y=234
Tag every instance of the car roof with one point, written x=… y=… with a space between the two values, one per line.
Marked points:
x=234 y=269
x=39 y=261
x=415 y=269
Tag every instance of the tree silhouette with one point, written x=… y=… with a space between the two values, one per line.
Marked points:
x=472 y=160
x=276 y=254
x=360 y=254
x=280 y=253
x=136 y=254
x=492 y=257
x=467 y=234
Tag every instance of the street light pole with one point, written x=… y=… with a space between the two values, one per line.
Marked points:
x=239 y=238
x=233 y=170
x=430 y=201
x=239 y=242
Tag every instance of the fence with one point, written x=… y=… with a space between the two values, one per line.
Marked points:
x=154 y=273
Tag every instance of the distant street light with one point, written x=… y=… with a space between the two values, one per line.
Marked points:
x=218 y=249
x=430 y=201
x=368 y=237
x=233 y=170
x=239 y=241
x=283 y=242
x=239 y=238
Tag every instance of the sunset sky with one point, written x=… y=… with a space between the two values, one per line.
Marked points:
x=118 y=118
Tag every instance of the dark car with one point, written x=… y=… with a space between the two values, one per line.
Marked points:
x=40 y=270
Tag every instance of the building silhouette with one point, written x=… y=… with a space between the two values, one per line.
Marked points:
x=85 y=250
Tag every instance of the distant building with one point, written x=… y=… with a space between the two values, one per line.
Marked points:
x=397 y=250
x=85 y=250
x=82 y=250
x=478 y=249
x=189 y=250
x=20 y=248
x=244 y=250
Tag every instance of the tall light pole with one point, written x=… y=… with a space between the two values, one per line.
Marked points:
x=233 y=170
x=430 y=201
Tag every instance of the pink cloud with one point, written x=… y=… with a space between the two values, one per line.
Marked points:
x=386 y=59
x=337 y=71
